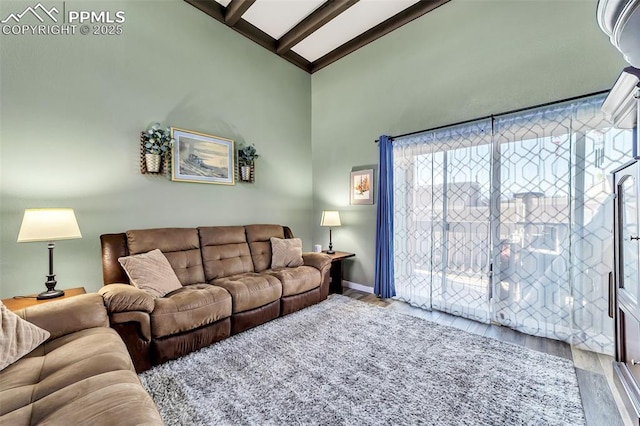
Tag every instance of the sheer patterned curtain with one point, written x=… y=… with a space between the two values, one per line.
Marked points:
x=509 y=220
x=441 y=194
x=597 y=150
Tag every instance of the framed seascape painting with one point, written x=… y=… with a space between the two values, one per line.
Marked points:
x=202 y=158
x=362 y=187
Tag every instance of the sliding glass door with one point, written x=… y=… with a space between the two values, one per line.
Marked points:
x=509 y=220
x=531 y=260
x=442 y=220
x=461 y=188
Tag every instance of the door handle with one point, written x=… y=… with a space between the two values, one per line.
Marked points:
x=634 y=238
x=634 y=362
x=612 y=296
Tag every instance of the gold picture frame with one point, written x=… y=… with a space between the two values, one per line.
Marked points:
x=201 y=158
x=361 y=187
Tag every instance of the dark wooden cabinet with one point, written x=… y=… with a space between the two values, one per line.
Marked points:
x=627 y=285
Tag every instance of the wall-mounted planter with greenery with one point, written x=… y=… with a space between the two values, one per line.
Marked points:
x=246 y=163
x=155 y=149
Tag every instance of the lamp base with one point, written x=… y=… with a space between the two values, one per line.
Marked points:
x=50 y=294
x=330 y=252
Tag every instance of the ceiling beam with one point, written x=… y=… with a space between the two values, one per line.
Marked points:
x=383 y=28
x=311 y=23
x=216 y=11
x=235 y=10
x=254 y=33
x=210 y=7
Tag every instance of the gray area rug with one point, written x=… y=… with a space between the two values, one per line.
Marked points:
x=351 y=363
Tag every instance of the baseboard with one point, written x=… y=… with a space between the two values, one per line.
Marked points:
x=355 y=286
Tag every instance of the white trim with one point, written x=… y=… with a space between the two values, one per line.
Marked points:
x=620 y=105
x=356 y=286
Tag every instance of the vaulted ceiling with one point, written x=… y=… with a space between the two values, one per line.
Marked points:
x=314 y=33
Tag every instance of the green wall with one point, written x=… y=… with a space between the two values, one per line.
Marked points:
x=72 y=108
x=465 y=60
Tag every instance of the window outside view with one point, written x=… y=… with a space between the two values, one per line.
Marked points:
x=518 y=231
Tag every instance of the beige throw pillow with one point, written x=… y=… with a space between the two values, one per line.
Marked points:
x=287 y=252
x=151 y=272
x=17 y=337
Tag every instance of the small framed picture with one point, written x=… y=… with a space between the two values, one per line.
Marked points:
x=362 y=187
x=202 y=158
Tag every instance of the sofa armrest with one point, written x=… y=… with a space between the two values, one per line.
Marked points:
x=319 y=261
x=126 y=298
x=67 y=316
x=141 y=319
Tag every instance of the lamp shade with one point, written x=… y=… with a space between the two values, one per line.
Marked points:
x=48 y=225
x=330 y=218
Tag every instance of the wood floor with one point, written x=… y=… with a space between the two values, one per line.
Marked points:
x=600 y=398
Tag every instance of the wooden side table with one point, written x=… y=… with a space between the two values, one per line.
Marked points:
x=336 y=272
x=20 y=302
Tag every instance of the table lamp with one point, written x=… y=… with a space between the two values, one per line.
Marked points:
x=330 y=218
x=49 y=225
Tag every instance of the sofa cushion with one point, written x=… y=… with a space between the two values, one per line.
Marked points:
x=17 y=337
x=286 y=252
x=188 y=308
x=225 y=251
x=250 y=290
x=181 y=247
x=297 y=280
x=111 y=398
x=66 y=360
x=85 y=377
x=151 y=272
x=259 y=239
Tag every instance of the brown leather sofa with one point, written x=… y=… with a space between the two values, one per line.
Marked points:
x=81 y=375
x=228 y=286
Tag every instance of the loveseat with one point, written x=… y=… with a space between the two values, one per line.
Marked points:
x=81 y=374
x=227 y=282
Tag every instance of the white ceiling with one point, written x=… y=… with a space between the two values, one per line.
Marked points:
x=277 y=17
x=351 y=23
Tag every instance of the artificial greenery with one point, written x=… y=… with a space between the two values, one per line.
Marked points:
x=247 y=154
x=157 y=140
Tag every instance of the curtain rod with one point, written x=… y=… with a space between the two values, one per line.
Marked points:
x=497 y=115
